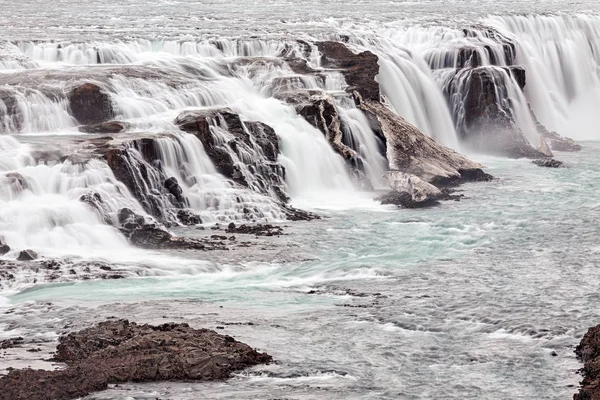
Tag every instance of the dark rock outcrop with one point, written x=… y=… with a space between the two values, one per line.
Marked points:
x=104 y=127
x=4 y=248
x=90 y=104
x=588 y=351
x=548 y=162
x=27 y=255
x=11 y=118
x=228 y=141
x=483 y=113
x=122 y=351
x=258 y=229
x=360 y=70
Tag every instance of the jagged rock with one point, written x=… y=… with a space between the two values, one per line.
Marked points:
x=95 y=201
x=409 y=191
x=228 y=140
x=485 y=120
x=359 y=69
x=175 y=190
x=548 y=162
x=90 y=104
x=409 y=150
x=588 y=351
x=104 y=127
x=122 y=351
x=188 y=217
x=27 y=255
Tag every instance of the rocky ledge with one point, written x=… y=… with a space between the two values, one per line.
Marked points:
x=588 y=351
x=123 y=351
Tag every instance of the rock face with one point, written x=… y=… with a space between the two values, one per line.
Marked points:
x=548 y=162
x=244 y=151
x=90 y=104
x=122 y=351
x=4 y=248
x=409 y=191
x=556 y=141
x=360 y=70
x=588 y=351
x=484 y=118
x=411 y=151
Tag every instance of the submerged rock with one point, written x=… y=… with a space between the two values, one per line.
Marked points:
x=123 y=351
x=90 y=104
x=588 y=351
x=409 y=191
x=548 y=162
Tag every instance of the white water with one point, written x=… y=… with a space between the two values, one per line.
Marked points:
x=463 y=301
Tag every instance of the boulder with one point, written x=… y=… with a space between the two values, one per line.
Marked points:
x=27 y=255
x=4 y=248
x=409 y=191
x=122 y=351
x=90 y=104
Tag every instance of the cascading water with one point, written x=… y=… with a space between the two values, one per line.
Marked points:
x=561 y=55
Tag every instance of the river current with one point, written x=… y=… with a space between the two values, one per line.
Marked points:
x=483 y=298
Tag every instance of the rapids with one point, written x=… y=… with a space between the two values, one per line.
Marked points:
x=465 y=300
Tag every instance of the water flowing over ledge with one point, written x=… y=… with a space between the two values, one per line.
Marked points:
x=116 y=142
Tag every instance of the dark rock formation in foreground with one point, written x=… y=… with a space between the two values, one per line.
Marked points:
x=122 y=351
x=588 y=351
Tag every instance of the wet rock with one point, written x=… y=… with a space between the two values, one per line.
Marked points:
x=120 y=351
x=549 y=163
x=588 y=351
x=258 y=229
x=175 y=190
x=359 y=69
x=90 y=104
x=104 y=127
x=4 y=248
x=411 y=151
x=11 y=118
x=484 y=118
x=12 y=342
x=243 y=151
x=27 y=255
x=188 y=217
x=409 y=191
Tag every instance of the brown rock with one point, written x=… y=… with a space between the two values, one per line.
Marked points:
x=120 y=351
x=588 y=351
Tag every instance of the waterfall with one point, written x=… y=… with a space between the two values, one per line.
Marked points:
x=40 y=206
x=561 y=55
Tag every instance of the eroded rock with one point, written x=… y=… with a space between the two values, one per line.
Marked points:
x=123 y=351
x=549 y=163
x=588 y=351
x=409 y=191
x=27 y=255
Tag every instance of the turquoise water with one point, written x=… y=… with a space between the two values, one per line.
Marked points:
x=466 y=300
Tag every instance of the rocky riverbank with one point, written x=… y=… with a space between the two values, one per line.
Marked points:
x=123 y=351
x=588 y=352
